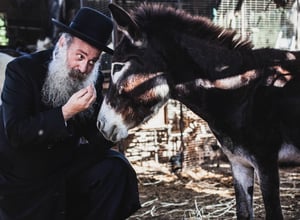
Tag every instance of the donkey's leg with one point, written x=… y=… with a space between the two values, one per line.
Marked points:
x=268 y=176
x=243 y=186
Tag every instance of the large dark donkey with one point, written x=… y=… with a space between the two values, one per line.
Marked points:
x=249 y=97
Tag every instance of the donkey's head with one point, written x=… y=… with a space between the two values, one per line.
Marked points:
x=138 y=85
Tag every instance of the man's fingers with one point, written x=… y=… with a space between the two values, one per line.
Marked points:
x=83 y=98
x=81 y=92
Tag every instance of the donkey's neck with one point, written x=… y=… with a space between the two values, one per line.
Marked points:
x=193 y=89
x=210 y=67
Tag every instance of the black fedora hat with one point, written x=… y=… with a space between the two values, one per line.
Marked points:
x=90 y=26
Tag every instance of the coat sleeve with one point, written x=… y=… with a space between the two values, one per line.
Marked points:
x=26 y=124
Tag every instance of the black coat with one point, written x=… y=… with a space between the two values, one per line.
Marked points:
x=34 y=141
x=36 y=146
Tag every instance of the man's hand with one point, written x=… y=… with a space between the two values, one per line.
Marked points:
x=79 y=102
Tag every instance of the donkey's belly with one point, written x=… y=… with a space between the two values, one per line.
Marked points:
x=289 y=153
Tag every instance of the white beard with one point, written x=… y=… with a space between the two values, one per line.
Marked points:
x=59 y=86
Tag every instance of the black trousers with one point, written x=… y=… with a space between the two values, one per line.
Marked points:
x=107 y=190
x=102 y=190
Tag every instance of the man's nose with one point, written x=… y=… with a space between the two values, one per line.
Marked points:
x=83 y=67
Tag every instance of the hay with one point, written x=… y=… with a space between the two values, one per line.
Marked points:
x=201 y=194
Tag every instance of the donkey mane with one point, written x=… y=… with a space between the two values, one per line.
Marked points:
x=157 y=17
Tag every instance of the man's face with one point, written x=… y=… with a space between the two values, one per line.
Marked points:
x=81 y=58
x=74 y=66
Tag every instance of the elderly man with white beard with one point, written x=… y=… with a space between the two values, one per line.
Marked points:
x=54 y=163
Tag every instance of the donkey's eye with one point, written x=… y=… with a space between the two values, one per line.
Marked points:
x=116 y=67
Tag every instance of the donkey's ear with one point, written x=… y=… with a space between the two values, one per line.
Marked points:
x=126 y=24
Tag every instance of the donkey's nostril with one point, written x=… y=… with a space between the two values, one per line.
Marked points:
x=98 y=124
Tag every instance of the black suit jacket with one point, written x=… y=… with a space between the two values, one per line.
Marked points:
x=34 y=139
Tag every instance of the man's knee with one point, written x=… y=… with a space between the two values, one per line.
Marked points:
x=106 y=186
x=112 y=169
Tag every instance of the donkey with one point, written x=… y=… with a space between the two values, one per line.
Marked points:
x=250 y=98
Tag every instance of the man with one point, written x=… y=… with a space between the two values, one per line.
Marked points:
x=54 y=163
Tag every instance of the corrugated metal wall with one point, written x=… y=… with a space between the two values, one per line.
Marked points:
x=261 y=21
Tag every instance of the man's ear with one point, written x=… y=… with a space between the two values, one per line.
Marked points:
x=61 y=41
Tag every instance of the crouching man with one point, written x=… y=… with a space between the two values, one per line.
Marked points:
x=54 y=163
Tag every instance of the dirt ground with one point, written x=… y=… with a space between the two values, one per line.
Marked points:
x=204 y=193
